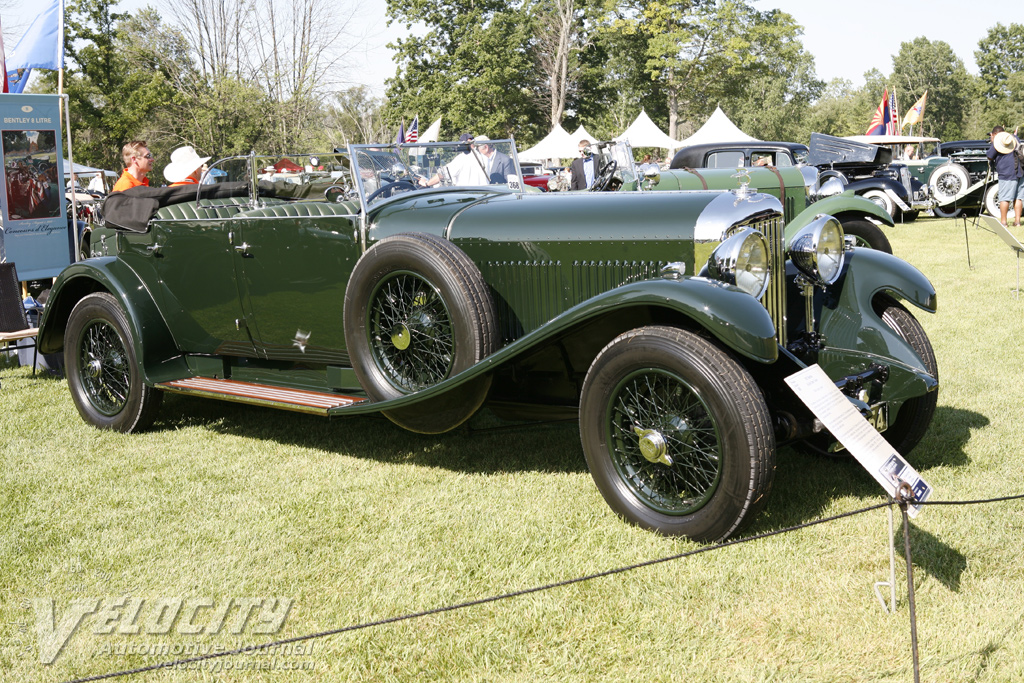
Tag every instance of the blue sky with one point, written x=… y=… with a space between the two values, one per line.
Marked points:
x=846 y=38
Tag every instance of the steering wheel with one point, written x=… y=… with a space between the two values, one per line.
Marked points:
x=604 y=177
x=391 y=188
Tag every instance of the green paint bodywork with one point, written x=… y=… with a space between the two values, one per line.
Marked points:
x=258 y=295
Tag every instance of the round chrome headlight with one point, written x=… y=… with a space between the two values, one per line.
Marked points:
x=742 y=260
x=817 y=250
x=832 y=186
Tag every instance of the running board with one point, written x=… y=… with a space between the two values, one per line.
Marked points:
x=315 y=402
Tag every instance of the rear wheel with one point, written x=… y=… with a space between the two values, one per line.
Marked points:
x=915 y=415
x=103 y=373
x=949 y=180
x=992 y=203
x=676 y=434
x=867 y=234
x=883 y=200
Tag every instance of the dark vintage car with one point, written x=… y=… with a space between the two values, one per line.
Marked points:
x=666 y=321
x=965 y=175
x=868 y=169
x=796 y=186
x=734 y=155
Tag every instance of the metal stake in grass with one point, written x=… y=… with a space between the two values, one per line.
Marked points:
x=905 y=495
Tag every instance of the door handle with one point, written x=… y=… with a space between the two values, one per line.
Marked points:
x=155 y=249
x=243 y=248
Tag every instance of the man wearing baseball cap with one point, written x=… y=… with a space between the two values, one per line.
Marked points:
x=1003 y=151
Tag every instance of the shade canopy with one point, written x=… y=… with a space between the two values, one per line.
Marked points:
x=718 y=128
x=582 y=134
x=558 y=144
x=644 y=133
x=81 y=169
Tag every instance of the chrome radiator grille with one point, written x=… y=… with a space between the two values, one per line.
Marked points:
x=774 y=298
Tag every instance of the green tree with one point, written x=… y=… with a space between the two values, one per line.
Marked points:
x=1000 y=57
x=474 y=66
x=922 y=65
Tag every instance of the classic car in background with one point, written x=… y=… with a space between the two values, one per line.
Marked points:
x=868 y=169
x=735 y=155
x=796 y=186
x=956 y=173
x=666 y=320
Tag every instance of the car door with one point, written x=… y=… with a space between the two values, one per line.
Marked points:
x=189 y=265
x=294 y=268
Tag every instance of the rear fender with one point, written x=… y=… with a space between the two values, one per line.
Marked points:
x=158 y=357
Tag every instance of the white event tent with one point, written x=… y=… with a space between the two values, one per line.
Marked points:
x=557 y=144
x=644 y=133
x=718 y=128
x=582 y=134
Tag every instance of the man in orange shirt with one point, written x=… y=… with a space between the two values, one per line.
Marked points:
x=138 y=162
x=185 y=168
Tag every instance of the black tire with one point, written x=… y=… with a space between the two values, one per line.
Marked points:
x=915 y=415
x=883 y=200
x=949 y=180
x=946 y=213
x=417 y=311
x=867 y=234
x=692 y=402
x=102 y=369
x=909 y=216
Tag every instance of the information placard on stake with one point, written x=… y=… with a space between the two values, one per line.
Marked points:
x=871 y=450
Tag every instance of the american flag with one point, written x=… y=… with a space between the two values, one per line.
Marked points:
x=892 y=126
x=414 y=133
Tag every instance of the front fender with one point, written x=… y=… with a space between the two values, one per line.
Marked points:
x=736 y=319
x=862 y=186
x=856 y=336
x=158 y=357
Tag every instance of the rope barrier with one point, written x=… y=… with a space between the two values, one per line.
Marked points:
x=559 y=584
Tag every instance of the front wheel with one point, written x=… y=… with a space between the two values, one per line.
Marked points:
x=103 y=372
x=676 y=434
x=867 y=234
x=915 y=415
x=883 y=200
x=946 y=213
x=948 y=181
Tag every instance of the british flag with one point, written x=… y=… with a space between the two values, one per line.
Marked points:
x=414 y=130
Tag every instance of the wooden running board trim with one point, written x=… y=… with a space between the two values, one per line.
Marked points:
x=316 y=402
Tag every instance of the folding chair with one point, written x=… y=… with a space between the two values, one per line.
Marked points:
x=14 y=325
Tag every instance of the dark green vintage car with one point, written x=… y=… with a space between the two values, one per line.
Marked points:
x=379 y=280
x=797 y=186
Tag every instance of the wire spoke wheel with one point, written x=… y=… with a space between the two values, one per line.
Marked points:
x=676 y=434
x=411 y=332
x=664 y=442
x=103 y=369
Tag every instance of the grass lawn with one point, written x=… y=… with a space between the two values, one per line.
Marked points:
x=356 y=520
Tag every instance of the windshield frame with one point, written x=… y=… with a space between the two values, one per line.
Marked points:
x=420 y=161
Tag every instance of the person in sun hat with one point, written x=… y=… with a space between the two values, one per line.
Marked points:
x=1003 y=152
x=185 y=167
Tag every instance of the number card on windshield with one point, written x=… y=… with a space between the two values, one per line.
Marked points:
x=871 y=450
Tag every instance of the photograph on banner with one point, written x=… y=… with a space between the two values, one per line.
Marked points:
x=33 y=186
x=858 y=436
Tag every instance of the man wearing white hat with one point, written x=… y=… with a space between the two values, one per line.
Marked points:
x=1003 y=151
x=185 y=167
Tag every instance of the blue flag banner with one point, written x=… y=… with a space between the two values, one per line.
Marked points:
x=33 y=210
x=41 y=47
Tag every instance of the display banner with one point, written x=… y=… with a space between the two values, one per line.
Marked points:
x=35 y=234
